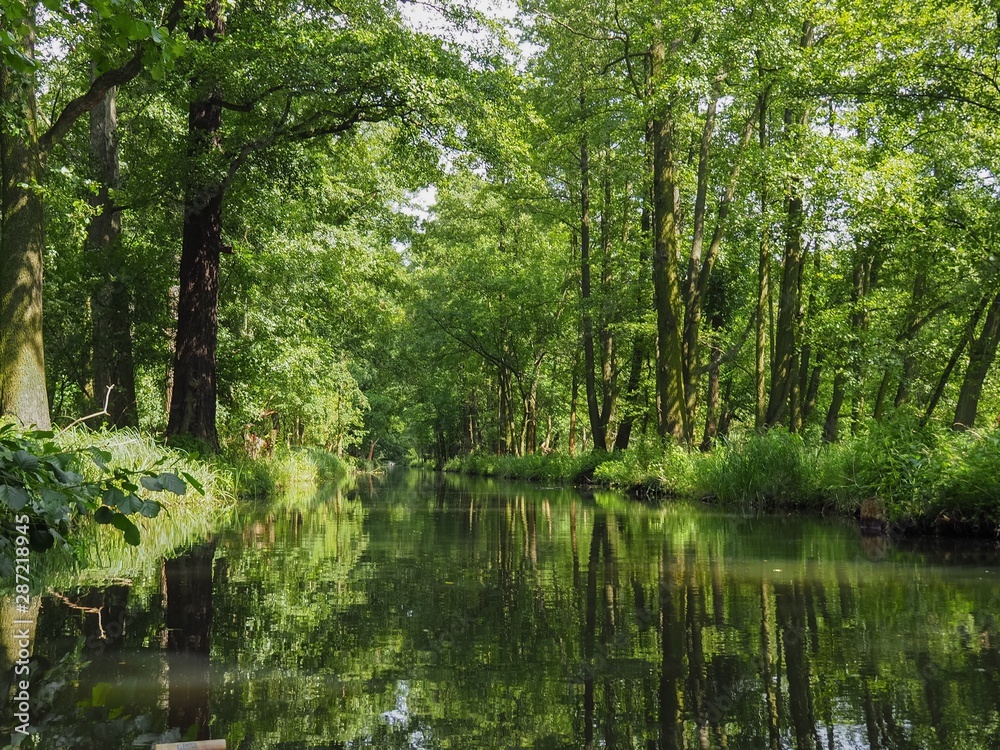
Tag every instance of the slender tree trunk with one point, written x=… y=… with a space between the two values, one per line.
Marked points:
x=967 y=335
x=640 y=345
x=832 y=425
x=671 y=405
x=712 y=401
x=609 y=371
x=22 y=244
x=784 y=367
x=692 y=296
x=590 y=380
x=193 y=401
x=982 y=352
x=763 y=288
x=573 y=401
x=114 y=373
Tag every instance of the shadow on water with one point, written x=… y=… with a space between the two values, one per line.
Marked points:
x=419 y=610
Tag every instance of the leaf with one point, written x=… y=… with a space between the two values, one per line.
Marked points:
x=153 y=484
x=25 y=460
x=16 y=497
x=104 y=514
x=113 y=496
x=150 y=509
x=99 y=457
x=99 y=694
x=131 y=504
x=128 y=529
x=172 y=483
x=193 y=482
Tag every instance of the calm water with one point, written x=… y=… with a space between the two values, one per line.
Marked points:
x=422 y=611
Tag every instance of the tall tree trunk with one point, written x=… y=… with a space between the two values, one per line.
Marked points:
x=982 y=352
x=193 y=401
x=671 y=405
x=784 y=367
x=22 y=244
x=114 y=372
x=590 y=380
x=640 y=345
x=763 y=287
x=609 y=371
x=573 y=400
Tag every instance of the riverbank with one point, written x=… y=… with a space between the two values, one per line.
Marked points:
x=897 y=476
x=205 y=492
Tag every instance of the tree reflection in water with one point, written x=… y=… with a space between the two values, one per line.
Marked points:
x=510 y=616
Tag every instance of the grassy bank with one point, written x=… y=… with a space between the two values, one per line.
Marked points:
x=214 y=486
x=914 y=478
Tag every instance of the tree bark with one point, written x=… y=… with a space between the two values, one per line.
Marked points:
x=193 y=401
x=110 y=304
x=967 y=335
x=982 y=352
x=587 y=319
x=763 y=288
x=22 y=244
x=784 y=367
x=670 y=400
x=832 y=425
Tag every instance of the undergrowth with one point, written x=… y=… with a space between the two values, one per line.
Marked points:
x=929 y=477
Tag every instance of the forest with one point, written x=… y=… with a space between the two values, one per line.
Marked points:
x=276 y=276
x=546 y=236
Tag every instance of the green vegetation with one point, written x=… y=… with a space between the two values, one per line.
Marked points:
x=582 y=238
x=485 y=614
x=924 y=479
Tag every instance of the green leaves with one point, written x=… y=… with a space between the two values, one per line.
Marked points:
x=39 y=484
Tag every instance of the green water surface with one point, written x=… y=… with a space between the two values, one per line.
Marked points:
x=418 y=610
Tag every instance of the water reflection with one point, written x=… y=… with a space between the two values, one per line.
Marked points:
x=426 y=611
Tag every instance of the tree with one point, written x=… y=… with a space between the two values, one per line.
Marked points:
x=126 y=43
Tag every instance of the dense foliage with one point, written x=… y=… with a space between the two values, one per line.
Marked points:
x=394 y=233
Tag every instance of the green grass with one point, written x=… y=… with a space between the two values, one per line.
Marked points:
x=930 y=479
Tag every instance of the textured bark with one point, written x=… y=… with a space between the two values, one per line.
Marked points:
x=967 y=335
x=587 y=319
x=831 y=427
x=193 y=400
x=763 y=289
x=671 y=405
x=784 y=365
x=982 y=353
x=110 y=305
x=22 y=244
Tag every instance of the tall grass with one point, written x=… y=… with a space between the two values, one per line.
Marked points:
x=929 y=477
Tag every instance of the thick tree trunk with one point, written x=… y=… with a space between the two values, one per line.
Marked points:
x=640 y=344
x=982 y=352
x=110 y=308
x=671 y=405
x=193 y=401
x=22 y=244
